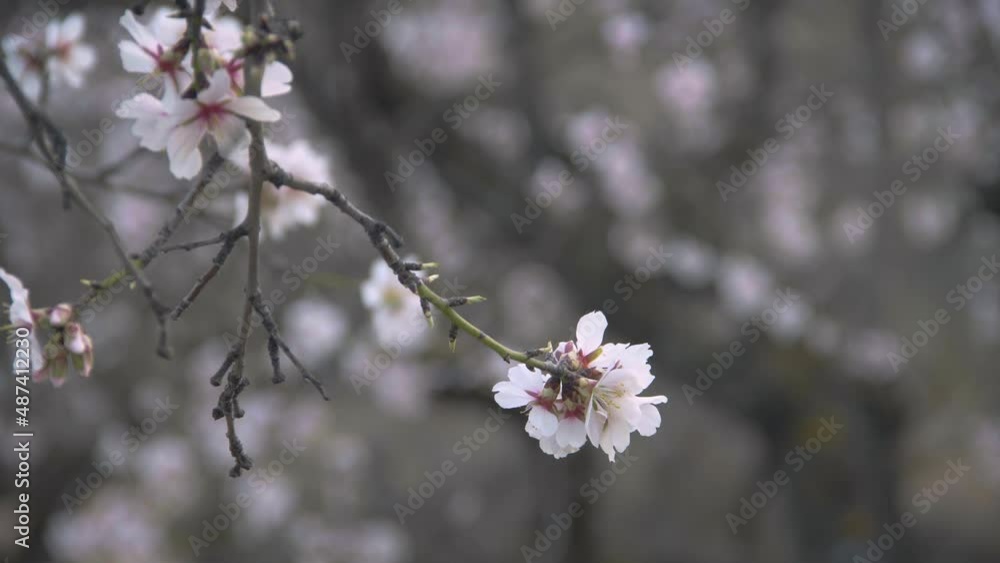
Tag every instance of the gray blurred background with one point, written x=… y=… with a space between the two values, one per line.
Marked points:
x=908 y=82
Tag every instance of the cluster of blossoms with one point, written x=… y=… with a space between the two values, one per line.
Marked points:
x=599 y=401
x=54 y=53
x=177 y=121
x=67 y=344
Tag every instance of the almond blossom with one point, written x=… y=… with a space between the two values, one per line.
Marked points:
x=599 y=400
x=216 y=111
x=67 y=342
x=57 y=53
x=224 y=41
x=283 y=208
x=21 y=315
x=151 y=50
x=528 y=389
x=152 y=117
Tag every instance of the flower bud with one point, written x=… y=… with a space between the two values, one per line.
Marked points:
x=75 y=340
x=60 y=314
x=57 y=368
x=84 y=363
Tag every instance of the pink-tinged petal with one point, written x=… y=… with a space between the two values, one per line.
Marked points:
x=629 y=381
x=167 y=30
x=182 y=148
x=140 y=107
x=85 y=363
x=74 y=339
x=571 y=433
x=253 y=108
x=72 y=28
x=595 y=422
x=82 y=58
x=650 y=420
x=590 y=331
x=184 y=111
x=509 y=396
x=545 y=421
x=226 y=37
x=138 y=31
x=277 y=80
x=627 y=410
x=620 y=433
x=228 y=133
x=528 y=380
x=20 y=308
x=218 y=90
x=134 y=59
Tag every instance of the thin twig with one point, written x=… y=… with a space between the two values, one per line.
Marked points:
x=386 y=241
x=52 y=144
x=228 y=244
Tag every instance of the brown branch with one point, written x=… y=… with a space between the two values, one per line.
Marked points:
x=228 y=244
x=52 y=144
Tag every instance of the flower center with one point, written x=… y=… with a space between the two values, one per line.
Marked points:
x=211 y=113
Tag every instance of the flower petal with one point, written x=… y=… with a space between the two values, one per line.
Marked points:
x=526 y=379
x=545 y=421
x=182 y=148
x=134 y=59
x=590 y=331
x=229 y=132
x=650 y=420
x=254 y=108
x=218 y=90
x=571 y=433
x=510 y=396
x=139 y=33
x=277 y=80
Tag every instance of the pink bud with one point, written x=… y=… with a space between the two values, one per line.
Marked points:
x=60 y=314
x=85 y=363
x=74 y=339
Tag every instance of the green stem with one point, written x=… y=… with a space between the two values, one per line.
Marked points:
x=507 y=354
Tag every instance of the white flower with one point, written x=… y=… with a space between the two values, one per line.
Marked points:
x=599 y=401
x=67 y=343
x=282 y=207
x=217 y=111
x=27 y=62
x=151 y=50
x=57 y=52
x=69 y=58
x=527 y=389
x=615 y=410
x=550 y=445
x=396 y=313
x=152 y=117
x=225 y=40
x=21 y=316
